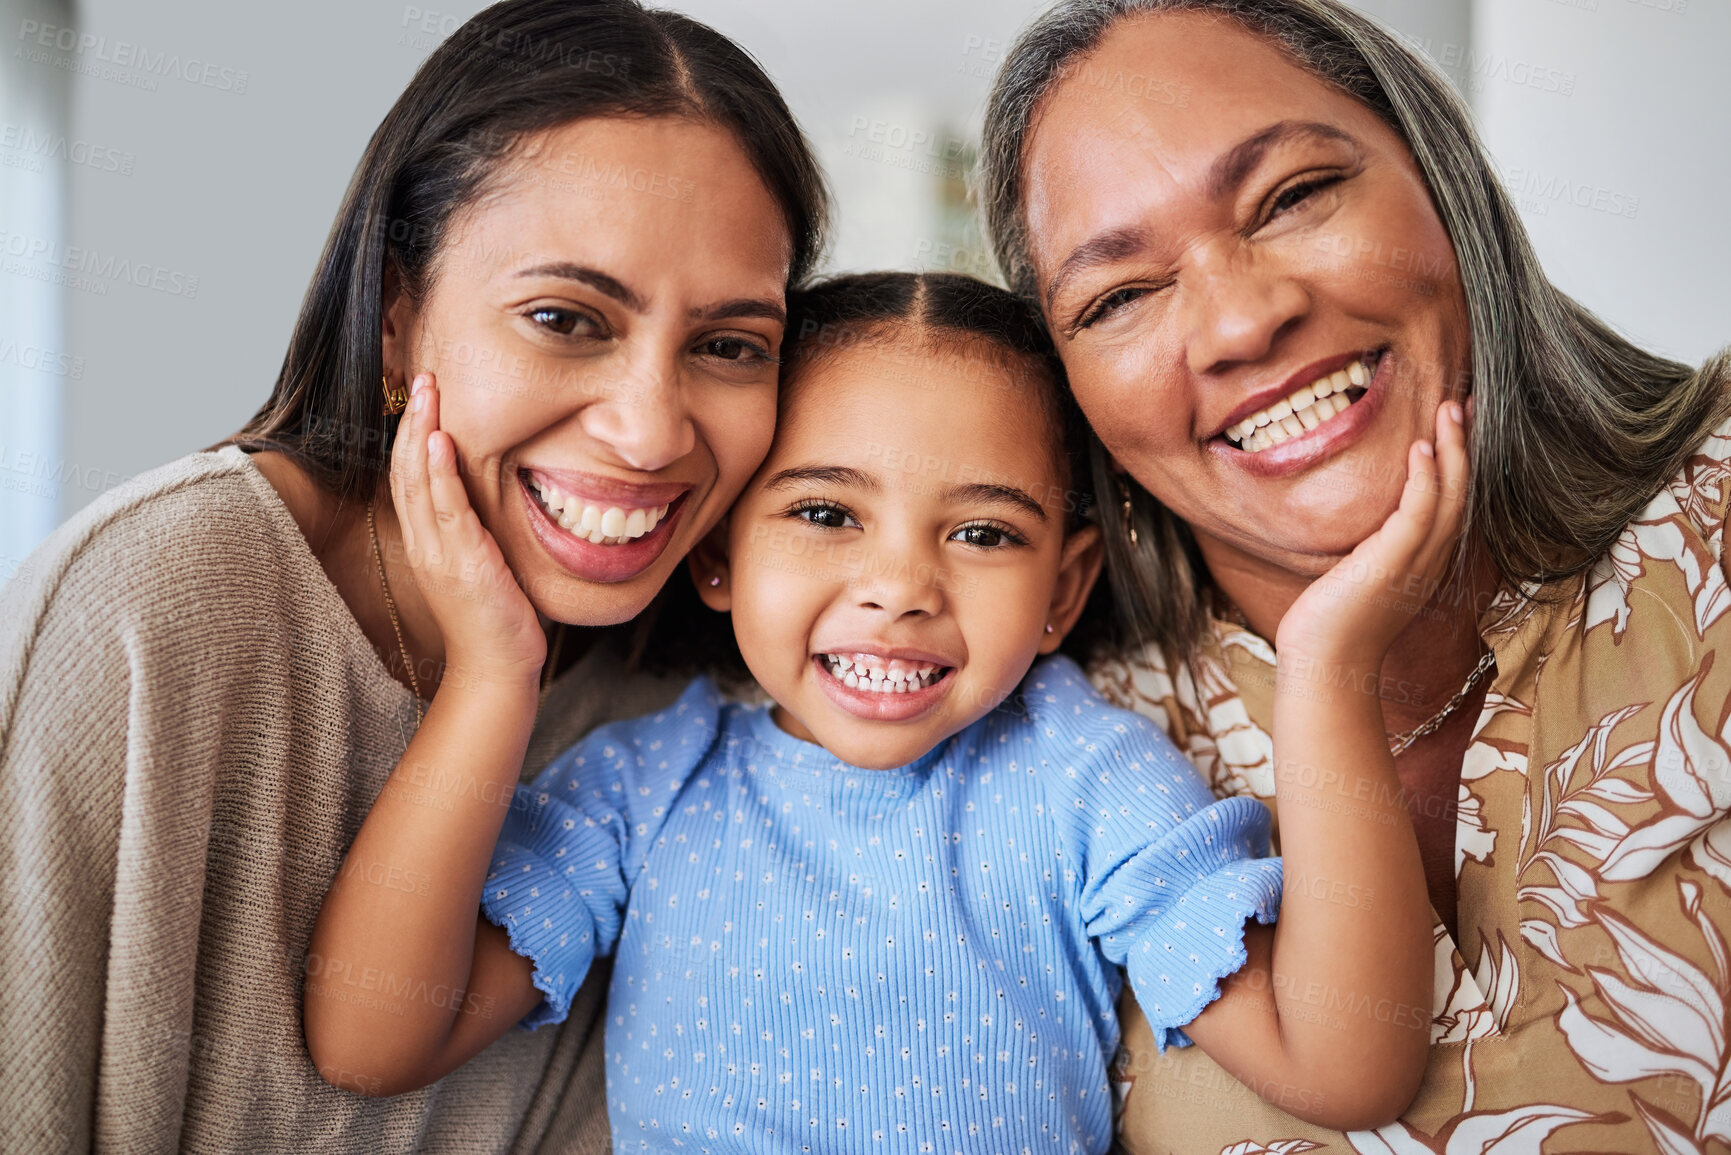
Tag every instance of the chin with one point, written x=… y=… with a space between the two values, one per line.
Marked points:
x=592 y=604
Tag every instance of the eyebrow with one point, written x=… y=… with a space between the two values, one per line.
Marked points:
x=1100 y=249
x=594 y=278
x=1225 y=175
x=998 y=495
x=822 y=475
x=744 y=307
x=1229 y=171
x=615 y=288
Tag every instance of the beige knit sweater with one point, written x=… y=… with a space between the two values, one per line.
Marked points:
x=192 y=727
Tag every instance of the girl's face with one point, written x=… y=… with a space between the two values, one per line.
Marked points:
x=1211 y=249
x=602 y=331
x=907 y=529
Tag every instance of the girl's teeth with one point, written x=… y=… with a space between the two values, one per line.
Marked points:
x=1303 y=410
x=602 y=525
x=896 y=678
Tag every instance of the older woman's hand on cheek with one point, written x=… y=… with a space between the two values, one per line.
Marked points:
x=1353 y=612
x=491 y=631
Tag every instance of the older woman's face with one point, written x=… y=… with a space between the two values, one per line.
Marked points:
x=1218 y=235
x=602 y=330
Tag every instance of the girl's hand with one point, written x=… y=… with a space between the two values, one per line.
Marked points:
x=1354 y=612
x=490 y=629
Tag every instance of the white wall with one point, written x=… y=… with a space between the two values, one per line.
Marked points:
x=35 y=365
x=234 y=184
x=1625 y=177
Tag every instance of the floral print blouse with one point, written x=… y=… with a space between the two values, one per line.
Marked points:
x=1584 y=1005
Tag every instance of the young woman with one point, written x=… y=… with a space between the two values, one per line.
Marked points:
x=580 y=220
x=1319 y=201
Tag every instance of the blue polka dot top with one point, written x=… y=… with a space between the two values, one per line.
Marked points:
x=809 y=956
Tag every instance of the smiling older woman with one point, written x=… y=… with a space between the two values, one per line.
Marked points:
x=580 y=221
x=1268 y=243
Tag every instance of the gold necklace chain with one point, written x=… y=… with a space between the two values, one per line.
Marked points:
x=391 y=608
x=1399 y=742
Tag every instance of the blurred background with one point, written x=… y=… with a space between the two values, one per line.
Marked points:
x=169 y=169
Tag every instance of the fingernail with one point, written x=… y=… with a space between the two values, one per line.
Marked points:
x=1424 y=447
x=419 y=383
x=417 y=402
x=1456 y=412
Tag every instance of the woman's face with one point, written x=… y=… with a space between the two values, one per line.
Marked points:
x=1216 y=232
x=601 y=329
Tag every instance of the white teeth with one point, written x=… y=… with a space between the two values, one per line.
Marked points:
x=602 y=525
x=898 y=677
x=1302 y=410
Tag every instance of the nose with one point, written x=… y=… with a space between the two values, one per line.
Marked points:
x=1237 y=308
x=643 y=418
x=899 y=584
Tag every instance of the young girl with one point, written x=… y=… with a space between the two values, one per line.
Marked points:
x=892 y=906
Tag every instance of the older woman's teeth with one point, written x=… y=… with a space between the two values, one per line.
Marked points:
x=1305 y=409
x=599 y=524
x=871 y=673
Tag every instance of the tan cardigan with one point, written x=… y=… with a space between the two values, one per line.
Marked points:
x=192 y=727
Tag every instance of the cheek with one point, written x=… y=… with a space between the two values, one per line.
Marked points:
x=737 y=427
x=776 y=600
x=1130 y=396
x=1387 y=257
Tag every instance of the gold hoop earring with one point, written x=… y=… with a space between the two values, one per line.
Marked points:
x=396 y=398
x=1124 y=493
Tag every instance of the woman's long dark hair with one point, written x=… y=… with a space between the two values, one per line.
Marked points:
x=518 y=68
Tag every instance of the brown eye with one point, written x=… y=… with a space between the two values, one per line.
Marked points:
x=734 y=349
x=986 y=536
x=1299 y=193
x=824 y=516
x=564 y=322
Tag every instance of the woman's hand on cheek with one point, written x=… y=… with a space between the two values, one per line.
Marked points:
x=489 y=627
x=1356 y=610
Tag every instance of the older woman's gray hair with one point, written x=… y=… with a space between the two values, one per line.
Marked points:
x=1575 y=428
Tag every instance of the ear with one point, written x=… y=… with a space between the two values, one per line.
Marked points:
x=707 y=562
x=397 y=323
x=1078 y=570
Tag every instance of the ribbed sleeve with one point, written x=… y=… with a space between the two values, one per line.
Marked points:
x=1167 y=877
x=576 y=836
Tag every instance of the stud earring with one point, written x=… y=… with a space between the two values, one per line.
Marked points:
x=1049 y=628
x=714 y=581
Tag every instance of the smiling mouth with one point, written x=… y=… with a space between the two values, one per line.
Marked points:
x=875 y=675
x=1305 y=408
x=596 y=523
